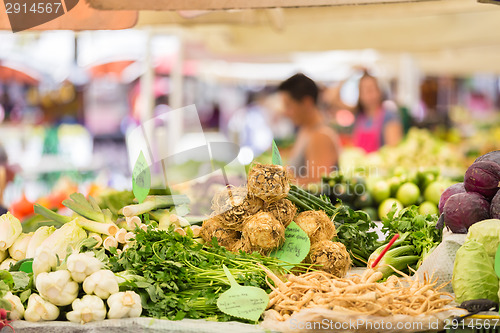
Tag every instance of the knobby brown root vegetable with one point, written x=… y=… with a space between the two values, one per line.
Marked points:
x=317 y=225
x=228 y=197
x=237 y=246
x=263 y=232
x=268 y=182
x=366 y=296
x=332 y=257
x=234 y=205
x=225 y=237
x=283 y=210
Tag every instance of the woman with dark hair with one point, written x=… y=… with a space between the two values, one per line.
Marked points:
x=375 y=125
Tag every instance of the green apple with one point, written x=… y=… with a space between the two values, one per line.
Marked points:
x=433 y=192
x=428 y=207
x=408 y=194
x=381 y=191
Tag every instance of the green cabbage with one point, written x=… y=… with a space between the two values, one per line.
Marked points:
x=486 y=232
x=474 y=274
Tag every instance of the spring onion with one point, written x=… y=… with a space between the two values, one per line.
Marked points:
x=154 y=202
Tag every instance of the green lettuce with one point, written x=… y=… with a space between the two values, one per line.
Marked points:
x=474 y=274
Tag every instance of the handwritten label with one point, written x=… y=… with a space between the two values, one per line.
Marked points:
x=276 y=155
x=141 y=178
x=242 y=302
x=296 y=246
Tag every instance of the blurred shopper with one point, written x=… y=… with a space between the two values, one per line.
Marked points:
x=316 y=149
x=4 y=177
x=250 y=126
x=375 y=126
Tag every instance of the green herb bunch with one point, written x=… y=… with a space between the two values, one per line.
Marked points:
x=179 y=278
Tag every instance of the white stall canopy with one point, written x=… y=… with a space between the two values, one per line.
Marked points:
x=224 y=4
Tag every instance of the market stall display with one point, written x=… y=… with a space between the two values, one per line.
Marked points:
x=481 y=182
x=408 y=234
x=112 y=257
x=416 y=172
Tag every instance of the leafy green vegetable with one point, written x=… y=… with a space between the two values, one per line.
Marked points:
x=486 y=232
x=115 y=200
x=4 y=289
x=421 y=229
x=18 y=264
x=473 y=274
x=401 y=256
x=19 y=283
x=88 y=208
x=179 y=278
x=36 y=221
x=355 y=229
x=7 y=279
x=21 y=280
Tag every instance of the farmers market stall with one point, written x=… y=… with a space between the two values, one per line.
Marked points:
x=268 y=256
x=418 y=245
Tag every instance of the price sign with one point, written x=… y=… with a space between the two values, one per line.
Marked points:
x=296 y=246
x=141 y=178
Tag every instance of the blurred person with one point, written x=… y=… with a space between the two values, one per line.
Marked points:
x=250 y=125
x=429 y=114
x=316 y=150
x=6 y=175
x=375 y=125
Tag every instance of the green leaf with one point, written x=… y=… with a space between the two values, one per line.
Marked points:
x=86 y=244
x=7 y=279
x=101 y=255
x=17 y=266
x=4 y=304
x=21 y=280
x=141 y=178
x=276 y=155
x=25 y=295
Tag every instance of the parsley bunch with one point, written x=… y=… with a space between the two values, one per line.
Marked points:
x=355 y=230
x=179 y=278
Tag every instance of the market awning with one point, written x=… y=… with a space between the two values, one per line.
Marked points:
x=165 y=65
x=224 y=4
x=11 y=72
x=114 y=68
x=447 y=36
